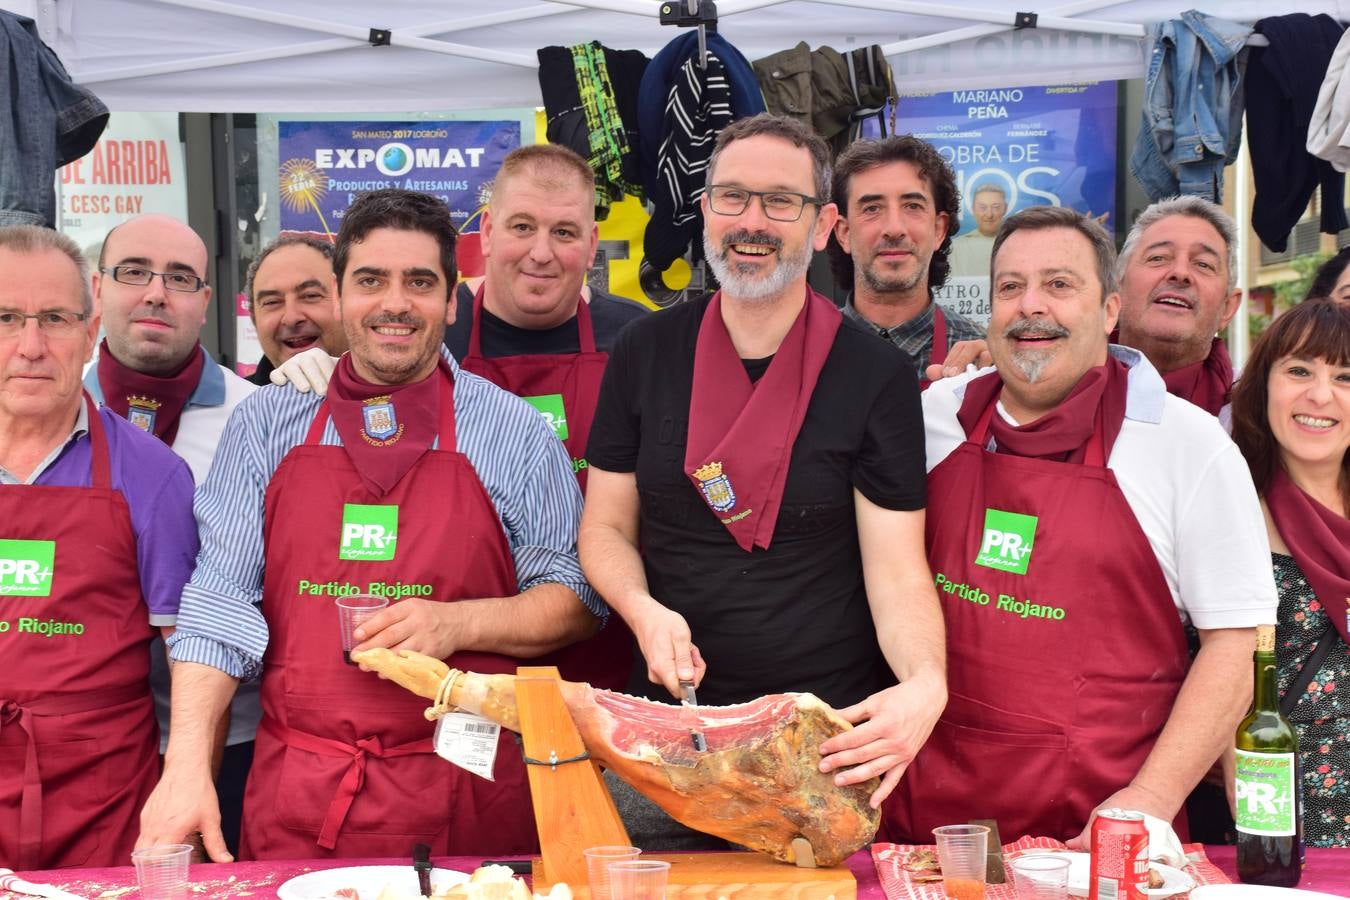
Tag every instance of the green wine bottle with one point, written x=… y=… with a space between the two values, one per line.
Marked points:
x=1269 y=811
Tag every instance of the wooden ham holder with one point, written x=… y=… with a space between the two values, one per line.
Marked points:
x=573 y=810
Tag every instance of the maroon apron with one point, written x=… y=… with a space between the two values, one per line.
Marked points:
x=938 y=355
x=343 y=765
x=569 y=383
x=1060 y=679
x=79 y=750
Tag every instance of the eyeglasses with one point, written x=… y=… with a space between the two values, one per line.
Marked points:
x=140 y=276
x=781 y=206
x=51 y=322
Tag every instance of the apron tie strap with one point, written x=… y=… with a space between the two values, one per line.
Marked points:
x=30 y=806
x=354 y=779
x=13 y=713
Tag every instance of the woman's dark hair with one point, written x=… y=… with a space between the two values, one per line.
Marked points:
x=1325 y=280
x=1314 y=329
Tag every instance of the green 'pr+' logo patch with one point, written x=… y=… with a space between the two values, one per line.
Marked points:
x=26 y=568
x=1007 y=542
x=368 y=532
x=550 y=406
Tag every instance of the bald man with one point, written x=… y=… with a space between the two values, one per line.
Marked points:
x=151 y=288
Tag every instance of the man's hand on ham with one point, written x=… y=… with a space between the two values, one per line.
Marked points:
x=891 y=727
x=667 y=646
x=433 y=629
x=309 y=370
x=1132 y=796
x=961 y=355
x=183 y=803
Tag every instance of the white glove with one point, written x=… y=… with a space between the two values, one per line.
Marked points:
x=1163 y=844
x=306 y=371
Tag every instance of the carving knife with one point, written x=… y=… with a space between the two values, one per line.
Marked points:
x=691 y=714
x=422 y=865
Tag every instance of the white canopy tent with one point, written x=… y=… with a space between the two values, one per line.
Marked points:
x=317 y=56
x=352 y=56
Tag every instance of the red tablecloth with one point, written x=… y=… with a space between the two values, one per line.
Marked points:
x=1327 y=870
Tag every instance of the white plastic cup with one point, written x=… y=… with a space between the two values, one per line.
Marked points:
x=1041 y=876
x=638 y=879
x=162 y=871
x=353 y=610
x=597 y=866
x=961 y=850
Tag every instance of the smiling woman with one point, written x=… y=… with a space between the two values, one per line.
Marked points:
x=1291 y=419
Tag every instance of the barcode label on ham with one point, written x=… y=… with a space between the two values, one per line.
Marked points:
x=468 y=741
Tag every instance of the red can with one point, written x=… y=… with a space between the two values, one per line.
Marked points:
x=1119 y=856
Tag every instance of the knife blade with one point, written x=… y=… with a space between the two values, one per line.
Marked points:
x=422 y=865
x=691 y=716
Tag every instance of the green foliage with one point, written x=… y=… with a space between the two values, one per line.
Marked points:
x=1288 y=293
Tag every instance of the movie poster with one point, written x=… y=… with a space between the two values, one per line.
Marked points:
x=1012 y=148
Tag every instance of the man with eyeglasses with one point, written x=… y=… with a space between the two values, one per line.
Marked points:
x=769 y=454
x=97 y=539
x=290 y=300
x=152 y=369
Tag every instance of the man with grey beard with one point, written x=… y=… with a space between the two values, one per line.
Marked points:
x=769 y=453
x=898 y=208
x=1085 y=515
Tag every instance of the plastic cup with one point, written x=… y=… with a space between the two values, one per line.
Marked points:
x=961 y=850
x=638 y=879
x=162 y=871
x=597 y=866
x=352 y=611
x=1041 y=876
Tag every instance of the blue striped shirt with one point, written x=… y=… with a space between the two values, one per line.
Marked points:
x=524 y=468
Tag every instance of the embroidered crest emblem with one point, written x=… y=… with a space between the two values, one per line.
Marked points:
x=141 y=412
x=381 y=427
x=716 y=487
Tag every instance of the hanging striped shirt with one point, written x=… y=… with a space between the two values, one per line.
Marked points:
x=523 y=467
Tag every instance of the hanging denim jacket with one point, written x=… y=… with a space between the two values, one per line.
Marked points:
x=50 y=121
x=1192 y=118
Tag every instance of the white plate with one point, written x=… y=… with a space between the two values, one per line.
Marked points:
x=368 y=881
x=1255 y=892
x=1175 y=881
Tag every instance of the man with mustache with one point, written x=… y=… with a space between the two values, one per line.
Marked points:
x=412 y=480
x=766 y=450
x=898 y=210
x=1178 y=290
x=152 y=369
x=290 y=300
x=1076 y=533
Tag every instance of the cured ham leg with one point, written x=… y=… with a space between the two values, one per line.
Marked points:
x=758 y=784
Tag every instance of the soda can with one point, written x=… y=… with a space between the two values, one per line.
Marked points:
x=1119 y=869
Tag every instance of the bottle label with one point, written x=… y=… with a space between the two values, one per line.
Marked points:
x=1266 y=803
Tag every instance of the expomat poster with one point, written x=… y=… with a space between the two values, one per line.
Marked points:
x=1012 y=148
x=323 y=166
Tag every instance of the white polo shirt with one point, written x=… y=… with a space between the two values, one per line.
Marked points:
x=1187 y=485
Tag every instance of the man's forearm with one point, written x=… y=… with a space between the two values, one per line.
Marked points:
x=912 y=634
x=199 y=698
x=1216 y=694
x=534 y=622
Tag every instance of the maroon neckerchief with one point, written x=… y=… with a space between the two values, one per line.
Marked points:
x=1319 y=541
x=741 y=434
x=149 y=400
x=1209 y=383
x=1060 y=435
x=359 y=408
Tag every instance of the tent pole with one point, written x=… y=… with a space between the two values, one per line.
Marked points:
x=1239 y=334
